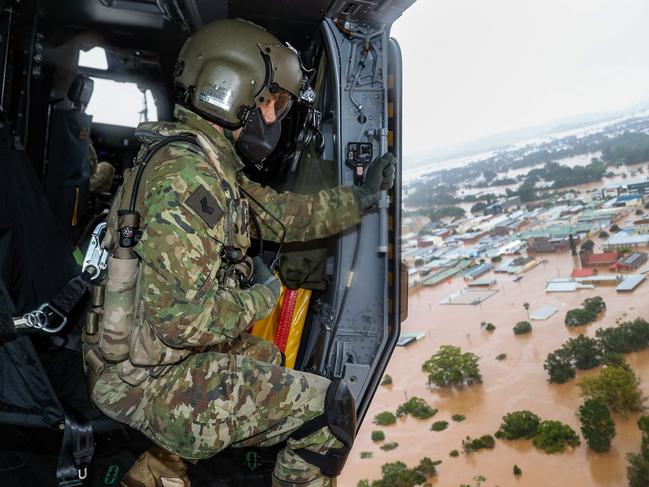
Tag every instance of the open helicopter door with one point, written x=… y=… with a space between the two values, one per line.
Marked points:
x=366 y=295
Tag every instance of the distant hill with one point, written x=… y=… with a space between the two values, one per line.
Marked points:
x=505 y=139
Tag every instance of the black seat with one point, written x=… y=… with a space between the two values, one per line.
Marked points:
x=80 y=92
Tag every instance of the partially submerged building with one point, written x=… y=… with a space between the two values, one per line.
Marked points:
x=603 y=259
x=625 y=240
x=477 y=271
x=631 y=262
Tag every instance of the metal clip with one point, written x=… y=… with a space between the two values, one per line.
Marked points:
x=34 y=319
x=83 y=473
x=307 y=95
x=46 y=328
x=96 y=257
x=40 y=320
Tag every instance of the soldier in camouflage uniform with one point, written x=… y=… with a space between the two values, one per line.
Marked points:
x=184 y=371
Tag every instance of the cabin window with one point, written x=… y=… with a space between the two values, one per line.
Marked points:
x=94 y=58
x=121 y=103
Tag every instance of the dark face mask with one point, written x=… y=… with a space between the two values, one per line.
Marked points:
x=257 y=140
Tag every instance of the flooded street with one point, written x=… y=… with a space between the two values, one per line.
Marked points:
x=519 y=382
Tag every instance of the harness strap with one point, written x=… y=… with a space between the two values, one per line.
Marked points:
x=76 y=451
x=70 y=295
x=7 y=326
x=310 y=427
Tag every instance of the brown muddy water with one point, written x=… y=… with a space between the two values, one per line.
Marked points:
x=519 y=382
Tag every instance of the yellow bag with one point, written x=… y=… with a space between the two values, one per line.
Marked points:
x=268 y=327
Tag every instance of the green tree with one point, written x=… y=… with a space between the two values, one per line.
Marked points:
x=385 y=418
x=445 y=212
x=613 y=359
x=527 y=191
x=427 y=467
x=470 y=445
x=454 y=453
x=527 y=309
x=387 y=380
x=378 y=435
x=478 y=207
x=489 y=174
x=579 y=317
x=630 y=336
x=417 y=407
x=559 y=367
x=517 y=471
x=587 y=246
x=585 y=352
x=519 y=424
x=618 y=388
x=393 y=445
x=603 y=234
x=597 y=426
x=450 y=367
x=643 y=426
x=397 y=474
x=522 y=327
x=595 y=304
x=554 y=436
x=487 y=326
x=458 y=417
x=637 y=471
x=439 y=425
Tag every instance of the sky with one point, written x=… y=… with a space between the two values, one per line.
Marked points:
x=475 y=68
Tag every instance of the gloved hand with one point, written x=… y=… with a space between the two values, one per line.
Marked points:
x=379 y=175
x=261 y=274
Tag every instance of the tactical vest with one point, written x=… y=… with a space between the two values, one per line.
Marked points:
x=119 y=332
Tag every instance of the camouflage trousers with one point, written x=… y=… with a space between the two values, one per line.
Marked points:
x=214 y=400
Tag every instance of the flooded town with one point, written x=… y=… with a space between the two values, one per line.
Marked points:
x=478 y=272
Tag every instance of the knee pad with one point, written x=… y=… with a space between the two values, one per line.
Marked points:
x=340 y=417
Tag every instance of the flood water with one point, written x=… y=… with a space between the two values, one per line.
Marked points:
x=622 y=175
x=519 y=382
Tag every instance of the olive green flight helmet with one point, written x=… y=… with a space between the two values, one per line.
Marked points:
x=230 y=66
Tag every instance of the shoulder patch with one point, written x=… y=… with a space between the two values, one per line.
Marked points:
x=205 y=206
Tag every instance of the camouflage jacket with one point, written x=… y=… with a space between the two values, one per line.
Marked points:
x=191 y=207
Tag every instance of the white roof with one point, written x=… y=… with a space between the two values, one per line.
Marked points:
x=631 y=282
x=623 y=238
x=566 y=287
x=543 y=313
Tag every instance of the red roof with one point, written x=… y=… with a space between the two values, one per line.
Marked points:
x=582 y=272
x=603 y=258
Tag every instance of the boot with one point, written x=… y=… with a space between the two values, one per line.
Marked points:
x=157 y=467
x=292 y=471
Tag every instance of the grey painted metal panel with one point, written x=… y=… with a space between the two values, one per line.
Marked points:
x=360 y=330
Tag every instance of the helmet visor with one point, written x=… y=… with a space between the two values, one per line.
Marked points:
x=275 y=108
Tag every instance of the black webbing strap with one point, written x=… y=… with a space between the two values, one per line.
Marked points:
x=50 y=317
x=69 y=296
x=76 y=451
x=310 y=427
x=7 y=326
